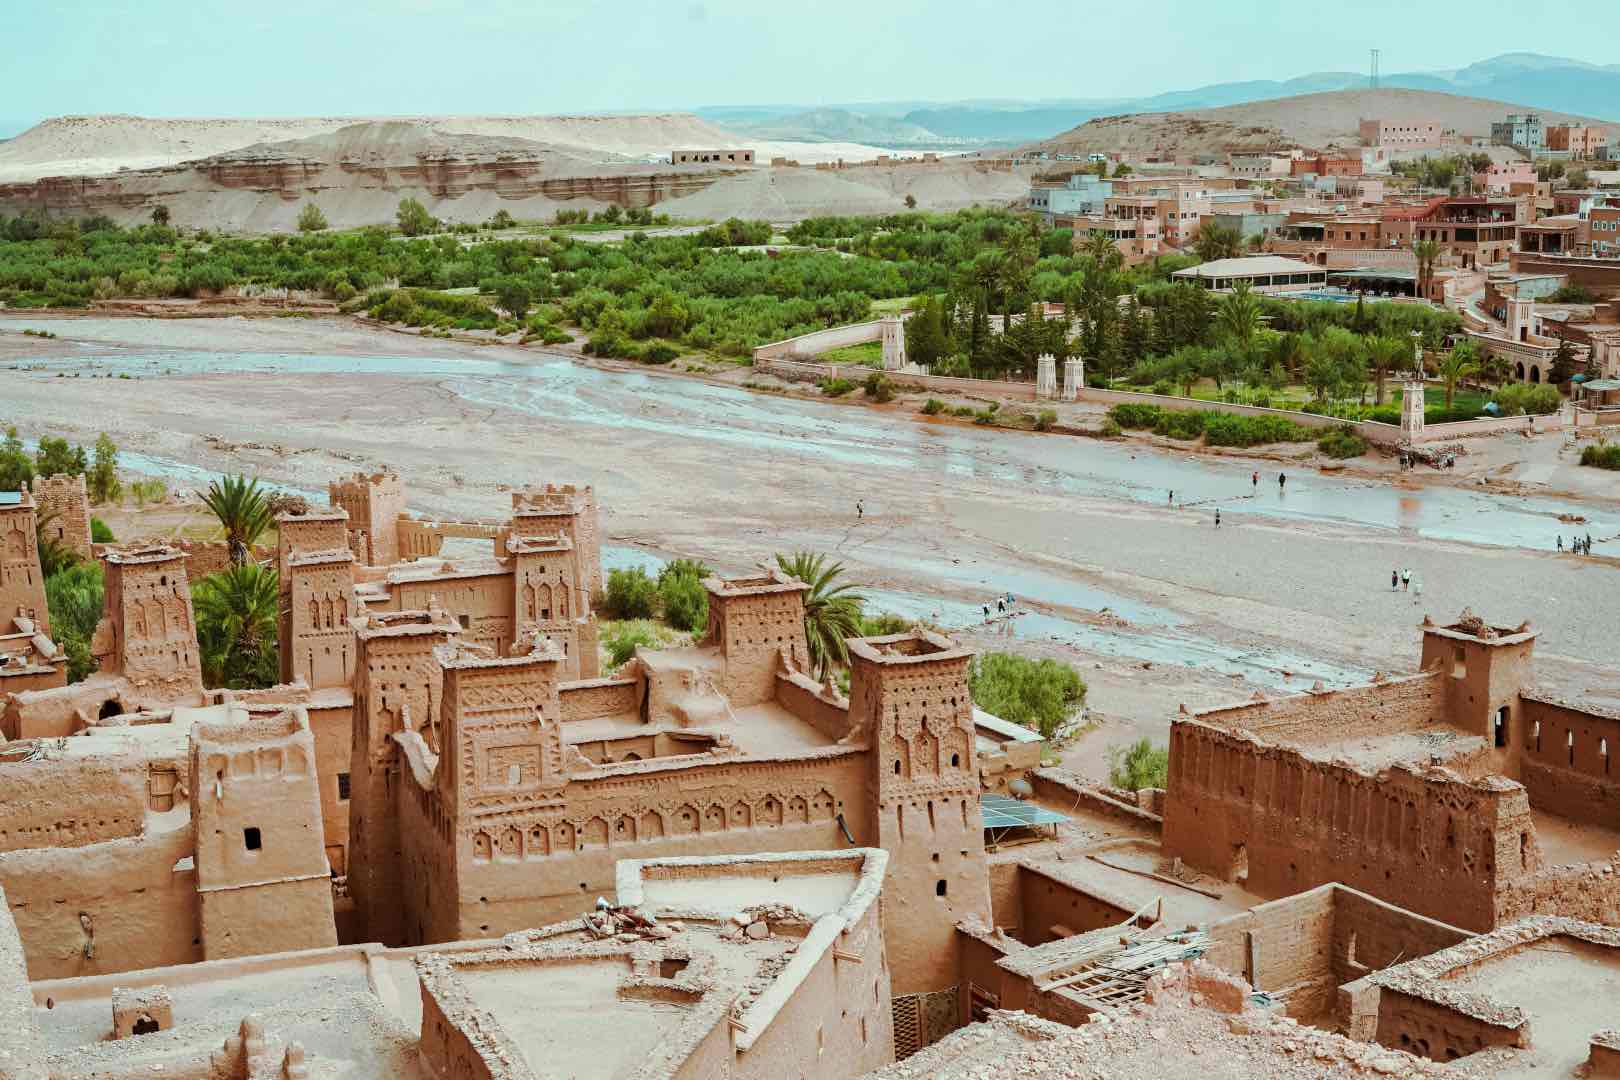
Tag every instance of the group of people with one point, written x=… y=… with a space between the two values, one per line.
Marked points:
x=1254 y=480
x=1401 y=580
x=1004 y=603
x=1578 y=545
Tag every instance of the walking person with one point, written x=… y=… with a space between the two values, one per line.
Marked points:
x=1001 y=605
x=1172 y=500
x=1589 y=543
x=1417 y=592
x=1406 y=578
x=860 y=510
x=1560 y=543
x=1217 y=517
x=1394 y=580
x=1282 y=480
x=1255 y=479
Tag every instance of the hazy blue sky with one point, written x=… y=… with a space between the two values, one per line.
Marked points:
x=369 y=57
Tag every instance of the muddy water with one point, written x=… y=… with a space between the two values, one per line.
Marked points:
x=811 y=432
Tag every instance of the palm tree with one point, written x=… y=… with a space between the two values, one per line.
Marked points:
x=1216 y=241
x=54 y=556
x=236 y=626
x=243 y=512
x=1238 y=316
x=1458 y=364
x=832 y=613
x=1386 y=353
x=1427 y=252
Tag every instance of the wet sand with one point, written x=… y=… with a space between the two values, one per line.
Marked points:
x=1293 y=581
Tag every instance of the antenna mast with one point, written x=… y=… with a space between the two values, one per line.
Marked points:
x=1373 y=81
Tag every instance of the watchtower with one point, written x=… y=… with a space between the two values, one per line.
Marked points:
x=894 y=343
x=398 y=686
x=263 y=882
x=374 y=503
x=755 y=621
x=66 y=501
x=909 y=693
x=296 y=533
x=22 y=584
x=147 y=633
x=1485 y=668
x=571 y=510
x=547 y=598
x=320 y=599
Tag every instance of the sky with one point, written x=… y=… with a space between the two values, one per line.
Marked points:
x=400 y=57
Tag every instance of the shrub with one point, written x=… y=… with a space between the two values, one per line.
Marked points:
x=1164 y=388
x=631 y=594
x=1045 y=420
x=1223 y=429
x=1111 y=429
x=1180 y=425
x=74 y=599
x=1602 y=456
x=413 y=218
x=883 y=624
x=1139 y=765
x=988 y=414
x=310 y=219
x=622 y=640
x=100 y=533
x=1038 y=694
x=1528 y=399
x=879 y=388
x=933 y=407
x=1342 y=442
x=684 y=599
x=836 y=387
x=1136 y=416
x=657 y=354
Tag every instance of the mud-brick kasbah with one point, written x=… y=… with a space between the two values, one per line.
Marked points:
x=451 y=844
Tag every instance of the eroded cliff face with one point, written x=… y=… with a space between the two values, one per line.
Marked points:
x=357 y=175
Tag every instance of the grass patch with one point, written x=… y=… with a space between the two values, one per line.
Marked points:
x=866 y=354
x=1602 y=456
x=836 y=387
x=621 y=638
x=1138 y=765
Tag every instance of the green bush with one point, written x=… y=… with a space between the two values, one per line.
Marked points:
x=681 y=594
x=879 y=387
x=933 y=407
x=1342 y=442
x=1139 y=765
x=1038 y=694
x=1111 y=429
x=1223 y=429
x=657 y=354
x=1045 y=420
x=101 y=532
x=631 y=594
x=1602 y=456
x=1134 y=416
x=622 y=640
x=988 y=414
x=836 y=387
x=884 y=624
x=1528 y=399
x=74 y=598
x=1179 y=424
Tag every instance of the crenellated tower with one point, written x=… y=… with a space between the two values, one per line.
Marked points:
x=148 y=634
x=22 y=585
x=326 y=530
x=374 y=502
x=398 y=686
x=909 y=693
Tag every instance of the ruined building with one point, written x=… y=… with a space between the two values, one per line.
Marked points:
x=29 y=660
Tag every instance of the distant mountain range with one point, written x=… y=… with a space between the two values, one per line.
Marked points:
x=1544 y=82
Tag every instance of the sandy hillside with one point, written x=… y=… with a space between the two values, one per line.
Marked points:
x=1311 y=120
x=99 y=145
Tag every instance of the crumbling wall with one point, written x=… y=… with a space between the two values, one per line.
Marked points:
x=533 y=868
x=1050 y=908
x=1589 y=891
x=1370 y=710
x=1434 y=1031
x=64 y=497
x=1571 y=761
x=809 y=701
x=588 y=699
x=1283 y=822
x=1284 y=948
x=460 y=1040
x=22 y=1051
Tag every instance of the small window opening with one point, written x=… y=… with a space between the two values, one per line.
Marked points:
x=251 y=838
x=145 y=1025
x=1569 y=743
x=897 y=766
x=343 y=787
x=939 y=887
x=1502 y=726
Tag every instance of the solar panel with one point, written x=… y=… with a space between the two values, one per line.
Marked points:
x=1001 y=812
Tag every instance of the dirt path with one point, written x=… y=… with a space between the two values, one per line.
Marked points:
x=953 y=514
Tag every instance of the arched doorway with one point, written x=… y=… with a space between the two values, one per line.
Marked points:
x=1518 y=371
x=110 y=708
x=1535 y=373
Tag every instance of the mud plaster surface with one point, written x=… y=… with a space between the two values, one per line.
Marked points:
x=1569 y=988
x=815 y=895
